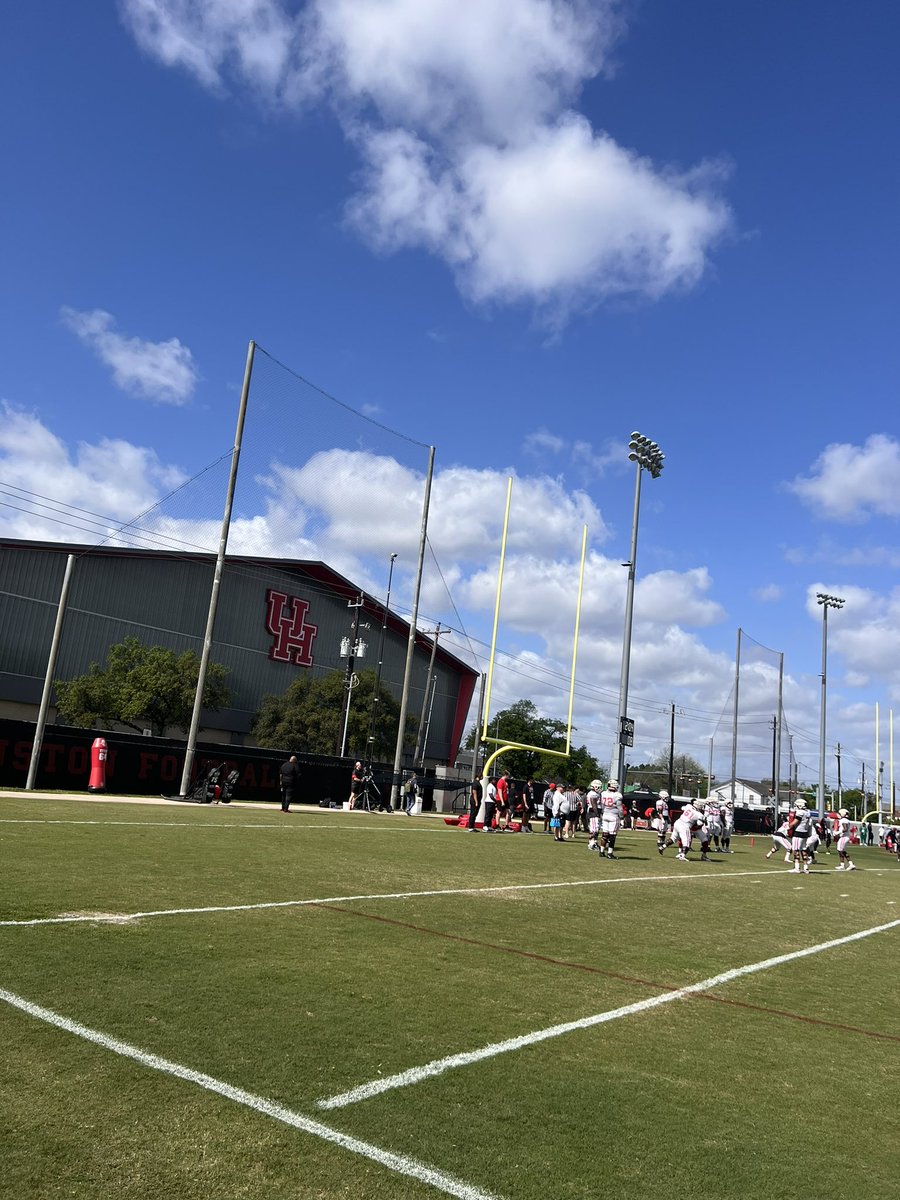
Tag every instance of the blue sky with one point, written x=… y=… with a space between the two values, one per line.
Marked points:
x=516 y=231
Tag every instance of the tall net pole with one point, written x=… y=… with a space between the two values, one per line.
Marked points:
x=411 y=644
x=734 y=724
x=217 y=578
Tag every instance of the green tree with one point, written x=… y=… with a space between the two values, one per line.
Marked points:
x=522 y=723
x=308 y=717
x=141 y=685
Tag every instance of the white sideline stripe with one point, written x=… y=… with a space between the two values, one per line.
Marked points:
x=417 y=1074
x=119 y=918
x=398 y=1163
x=394 y=828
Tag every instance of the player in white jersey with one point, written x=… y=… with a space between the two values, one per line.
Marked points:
x=592 y=800
x=781 y=841
x=799 y=826
x=727 y=826
x=683 y=830
x=661 y=820
x=843 y=841
x=611 y=809
x=812 y=842
x=702 y=831
x=714 y=822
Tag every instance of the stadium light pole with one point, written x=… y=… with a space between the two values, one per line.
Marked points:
x=647 y=456
x=826 y=602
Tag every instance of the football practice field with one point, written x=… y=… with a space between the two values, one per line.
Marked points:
x=232 y=1002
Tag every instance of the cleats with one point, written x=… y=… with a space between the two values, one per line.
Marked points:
x=851 y=866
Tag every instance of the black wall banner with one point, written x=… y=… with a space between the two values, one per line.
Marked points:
x=144 y=766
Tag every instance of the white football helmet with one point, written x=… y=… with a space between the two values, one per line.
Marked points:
x=613 y=785
x=800 y=804
x=596 y=785
x=843 y=812
x=663 y=795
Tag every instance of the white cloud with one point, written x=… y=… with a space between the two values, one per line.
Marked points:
x=566 y=219
x=111 y=478
x=769 y=593
x=581 y=455
x=542 y=442
x=852 y=483
x=162 y=371
x=473 y=149
x=255 y=37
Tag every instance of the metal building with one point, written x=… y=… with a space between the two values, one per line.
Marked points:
x=276 y=617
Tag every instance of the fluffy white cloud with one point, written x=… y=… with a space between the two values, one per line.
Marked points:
x=257 y=37
x=162 y=371
x=94 y=488
x=863 y=636
x=853 y=483
x=566 y=218
x=465 y=122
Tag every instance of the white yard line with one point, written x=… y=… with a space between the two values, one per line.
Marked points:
x=398 y=1163
x=438 y=1066
x=119 y=918
x=287 y=825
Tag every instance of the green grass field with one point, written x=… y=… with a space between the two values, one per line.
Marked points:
x=185 y=1053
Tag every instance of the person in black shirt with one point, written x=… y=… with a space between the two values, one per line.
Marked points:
x=474 y=804
x=290 y=777
x=356 y=783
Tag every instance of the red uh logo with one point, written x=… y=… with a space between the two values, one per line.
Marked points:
x=293 y=636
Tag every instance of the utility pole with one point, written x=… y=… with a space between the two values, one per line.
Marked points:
x=672 y=751
x=351 y=649
x=775 y=760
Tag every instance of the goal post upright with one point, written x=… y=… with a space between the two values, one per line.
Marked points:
x=503 y=744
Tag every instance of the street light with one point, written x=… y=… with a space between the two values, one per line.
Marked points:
x=648 y=457
x=827 y=602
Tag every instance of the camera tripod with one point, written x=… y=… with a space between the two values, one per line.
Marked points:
x=365 y=798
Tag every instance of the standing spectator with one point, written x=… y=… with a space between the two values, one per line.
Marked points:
x=475 y=796
x=560 y=809
x=549 y=796
x=490 y=803
x=529 y=804
x=503 y=800
x=410 y=793
x=290 y=777
x=569 y=811
x=356 y=782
